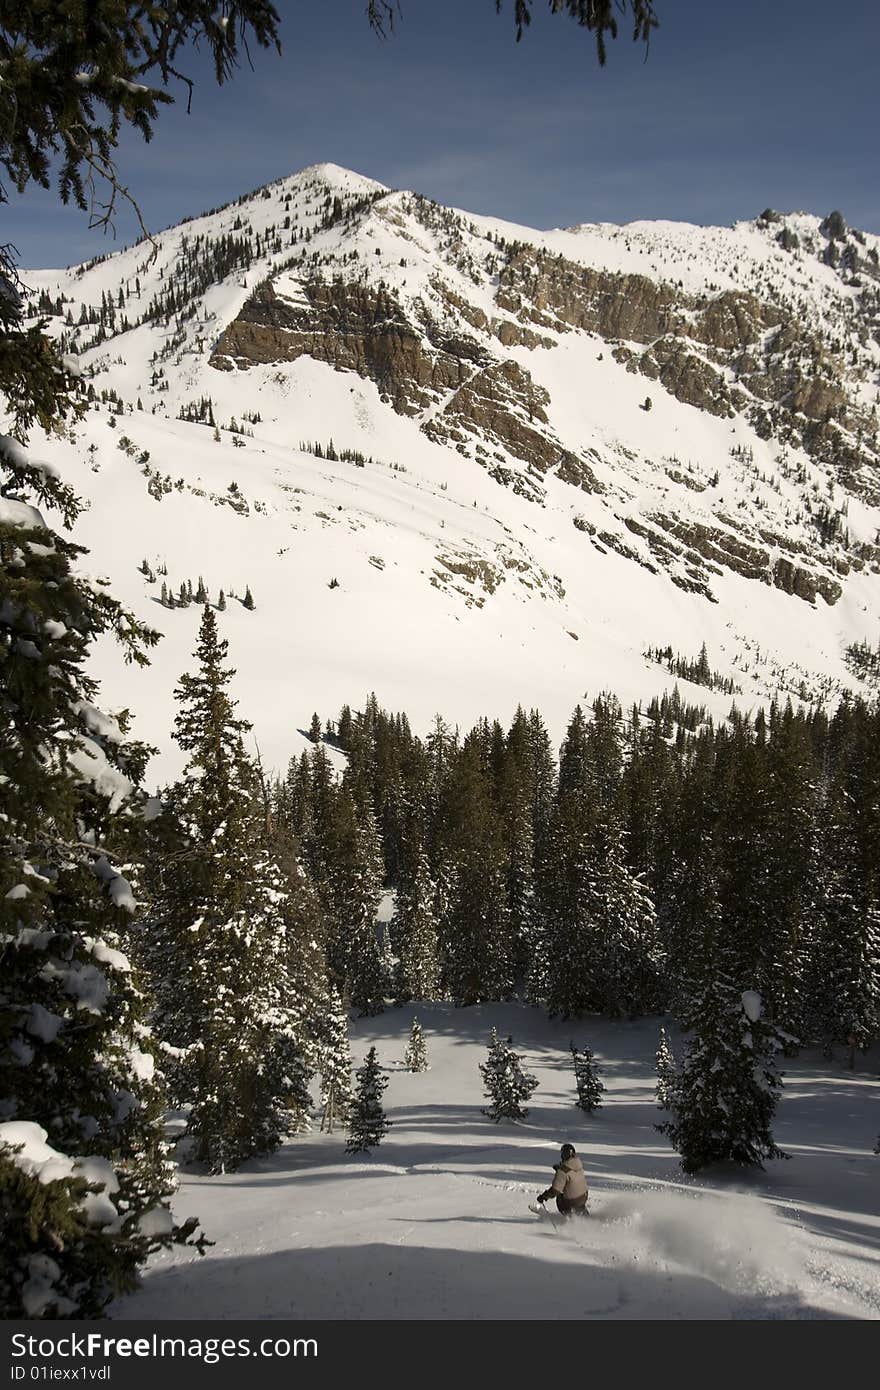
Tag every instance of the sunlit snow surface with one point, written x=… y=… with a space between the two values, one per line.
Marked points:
x=436 y=1223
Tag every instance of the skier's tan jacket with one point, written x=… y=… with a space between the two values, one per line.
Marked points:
x=570 y=1180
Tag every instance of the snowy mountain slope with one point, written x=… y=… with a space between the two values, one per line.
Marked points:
x=550 y=450
x=434 y=1224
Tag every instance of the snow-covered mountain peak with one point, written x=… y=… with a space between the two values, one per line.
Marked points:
x=493 y=464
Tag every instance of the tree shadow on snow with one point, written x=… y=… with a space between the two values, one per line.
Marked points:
x=466 y=1024
x=399 y=1281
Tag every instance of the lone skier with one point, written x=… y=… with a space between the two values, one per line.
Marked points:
x=569 y=1185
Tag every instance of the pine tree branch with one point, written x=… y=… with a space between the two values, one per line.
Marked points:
x=101 y=167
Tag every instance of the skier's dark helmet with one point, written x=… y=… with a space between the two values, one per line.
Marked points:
x=568 y=1151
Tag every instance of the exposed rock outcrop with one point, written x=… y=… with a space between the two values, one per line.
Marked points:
x=456 y=363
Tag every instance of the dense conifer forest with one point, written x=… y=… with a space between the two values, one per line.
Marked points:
x=648 y=857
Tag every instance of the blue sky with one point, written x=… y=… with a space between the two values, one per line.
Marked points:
x=739 y=106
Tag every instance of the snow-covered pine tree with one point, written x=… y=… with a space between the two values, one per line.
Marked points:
x=726 y=1088
x=415 y=931
x=353 y=893
x=218 y=945
x=629 y=959
x=793 y=798
x=305 y=925
x=665 y=1072
x=589 y=1087
x=505 y=1083
x=75 y=1060
x=479 y=953
x=843 y=933
x=515 y=789
x=319 y=791
x=416 y=1056
x=336 y=1091
x=582 y=902
x=368 y=1123
x=598 y=949
x=691 y=914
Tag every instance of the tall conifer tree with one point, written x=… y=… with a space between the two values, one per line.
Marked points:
x=507 y=1086
x=665 y=1067
x=75 y=1061
x=368 y=1124
x=478 y=948
x=336 y=1090
x=416 y=1056
x=726 y=1088
x=354 y=888
x=218 y=947
x=416 y=934
x=590 y=1088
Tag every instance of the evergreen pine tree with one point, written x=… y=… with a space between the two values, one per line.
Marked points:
x=344 y=729
x=842 y=995
x=221 y=602
x=589 y=1087
x=478 y=949
x=415 y=925
x=505 y=1082
x=387 y=961
x=599 y=947
x=248 y=600
x=320 y=793
x=749 y=856
x=665 y=1072
x=574 y=775
x=665 y=1066
x=76 y=1063
x=353 y=889
x=515 y=798
x=724 y=1093
x=219 y=946
x=336 y=1091
x=689 y=909
x=628 y=959
x=368 y=1124
x=416 y=1055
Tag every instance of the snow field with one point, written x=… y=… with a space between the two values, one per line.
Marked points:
x=399 y=623
x=435 y=1223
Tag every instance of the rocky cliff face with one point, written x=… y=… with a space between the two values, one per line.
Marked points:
x=352 y=327
x=423 y=366
x=450 y=335
x=727 y=354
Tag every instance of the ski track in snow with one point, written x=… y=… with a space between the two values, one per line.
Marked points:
x=436 y=1223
